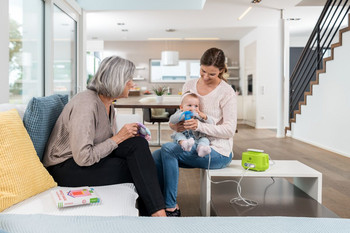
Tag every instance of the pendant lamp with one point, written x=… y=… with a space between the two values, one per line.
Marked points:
x=170 y=58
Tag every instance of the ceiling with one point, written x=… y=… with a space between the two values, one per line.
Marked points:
x=205 y=19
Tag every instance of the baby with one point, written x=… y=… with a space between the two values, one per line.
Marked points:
x=187 y=138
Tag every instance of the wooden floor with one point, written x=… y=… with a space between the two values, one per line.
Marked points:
x=335 y=168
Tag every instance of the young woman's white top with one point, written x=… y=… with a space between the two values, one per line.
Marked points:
x=221 y=105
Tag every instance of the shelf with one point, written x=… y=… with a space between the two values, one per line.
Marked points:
x=233 y=78
x=233 y=67
x=138 y=79
x=140 y=67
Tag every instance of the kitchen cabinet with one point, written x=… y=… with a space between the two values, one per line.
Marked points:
x=233 y=71
x=233 y=78
x=239 y=107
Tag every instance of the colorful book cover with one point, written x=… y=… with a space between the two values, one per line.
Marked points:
x=65 y=197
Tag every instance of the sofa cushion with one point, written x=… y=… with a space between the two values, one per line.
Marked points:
x=40 y=118
x=22 y=175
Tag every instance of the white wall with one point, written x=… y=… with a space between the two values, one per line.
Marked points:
x=140 y=52
x=4 y=53
x=324 y=121
x=268 y=69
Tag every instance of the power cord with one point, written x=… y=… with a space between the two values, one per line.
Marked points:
x=240 y=200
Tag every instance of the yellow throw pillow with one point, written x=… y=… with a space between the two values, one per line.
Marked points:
x=22 y=175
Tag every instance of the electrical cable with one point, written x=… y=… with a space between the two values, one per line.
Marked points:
x=236 y=200
x=239 y=199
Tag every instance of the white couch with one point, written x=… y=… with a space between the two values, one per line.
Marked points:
x=116 y=200
x=117 y=213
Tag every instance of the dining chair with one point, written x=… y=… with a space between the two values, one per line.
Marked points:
x=157 y=115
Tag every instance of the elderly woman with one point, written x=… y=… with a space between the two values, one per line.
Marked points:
x=85 y=149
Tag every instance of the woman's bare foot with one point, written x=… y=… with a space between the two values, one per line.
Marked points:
x=159 y=213
x=173 y=209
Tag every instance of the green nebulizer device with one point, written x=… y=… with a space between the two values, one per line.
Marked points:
x=255 y=160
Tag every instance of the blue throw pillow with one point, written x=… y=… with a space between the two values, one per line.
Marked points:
x=40 y=118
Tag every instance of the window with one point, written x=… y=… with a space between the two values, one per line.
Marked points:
x=185 y=70
x=65 y=53
x=93 y=60
x=27 y=41
x=26 y=48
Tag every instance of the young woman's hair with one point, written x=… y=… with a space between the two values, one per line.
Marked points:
x=111 y=77
x=215 y=57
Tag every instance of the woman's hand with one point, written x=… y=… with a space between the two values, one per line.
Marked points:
x=126 y=132
x=179 y=127
x=191 y=124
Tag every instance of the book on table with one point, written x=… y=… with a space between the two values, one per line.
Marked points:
x=65 y=197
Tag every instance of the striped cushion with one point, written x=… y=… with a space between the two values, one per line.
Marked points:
x=22 y=175
x=40 y=118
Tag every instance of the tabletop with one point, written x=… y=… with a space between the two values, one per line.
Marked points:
x=169 y=101
x=281 y=168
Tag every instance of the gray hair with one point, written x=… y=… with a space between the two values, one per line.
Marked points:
x=111 y=77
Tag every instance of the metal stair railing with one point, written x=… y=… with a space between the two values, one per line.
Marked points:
x=311 y=59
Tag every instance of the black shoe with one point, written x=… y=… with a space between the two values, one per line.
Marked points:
x=175 y=213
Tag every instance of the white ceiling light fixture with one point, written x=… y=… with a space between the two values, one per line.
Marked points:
x=168 y=57
x=244 y=13
x=202 y=38
x=165 y=38
x=248 y=9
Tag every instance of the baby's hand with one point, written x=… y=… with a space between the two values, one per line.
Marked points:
x=202 y=115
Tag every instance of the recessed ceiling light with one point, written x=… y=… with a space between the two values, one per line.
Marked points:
x=244 y=13
x=164 y=38
x=293 y=19
x=170 y=30
x=256 y=1
x=202 y=38
x=125 y=30
x=120 y=24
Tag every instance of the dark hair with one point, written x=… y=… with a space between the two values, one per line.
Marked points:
x=215 y=57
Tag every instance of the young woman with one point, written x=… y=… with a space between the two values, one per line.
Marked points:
x=218 y=100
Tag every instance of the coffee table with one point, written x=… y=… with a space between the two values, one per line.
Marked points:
x=275 y=197
x=304 y=177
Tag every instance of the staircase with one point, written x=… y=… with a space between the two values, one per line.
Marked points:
x=312 y=62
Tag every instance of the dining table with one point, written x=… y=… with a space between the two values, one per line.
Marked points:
x=149 y=102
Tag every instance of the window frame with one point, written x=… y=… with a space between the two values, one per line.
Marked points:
x=72 y=9
x=188 y=71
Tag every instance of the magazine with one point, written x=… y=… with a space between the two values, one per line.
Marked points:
x=65 y=197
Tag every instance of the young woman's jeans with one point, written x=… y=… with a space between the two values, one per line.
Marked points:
x=170 y=157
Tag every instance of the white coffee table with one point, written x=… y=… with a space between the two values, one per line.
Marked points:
x=306 y=178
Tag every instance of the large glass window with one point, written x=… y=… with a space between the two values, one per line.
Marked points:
x=185 y=70
x=65 y=53
x=93 y=60
x=26 y=50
